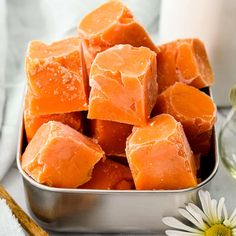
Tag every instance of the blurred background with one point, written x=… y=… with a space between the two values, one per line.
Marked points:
x=50 y=20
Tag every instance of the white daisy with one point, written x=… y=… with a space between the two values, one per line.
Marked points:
x=211 y=220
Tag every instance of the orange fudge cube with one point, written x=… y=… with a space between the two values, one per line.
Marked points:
x=110 y=175
x=112 y=23
x=111 y=136
x=57 y=77
x=123 y=85
x=159 y=155
x=33 y=122
x=59 y=156
x=186 y=61
x=193 y=108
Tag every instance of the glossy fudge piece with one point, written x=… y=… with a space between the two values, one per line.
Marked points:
x=116 y=25
x=111 y=136
x=33 y=122
x=194 y=109
x=110 y=175
x=60 y=156
x=183 y=60
x=160 y=157
x=112 y=23
x=57 y=78
x=123 y=85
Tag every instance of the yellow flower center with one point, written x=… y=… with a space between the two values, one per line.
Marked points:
x=218 y=230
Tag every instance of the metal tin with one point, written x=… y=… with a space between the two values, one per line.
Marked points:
x=109 y=211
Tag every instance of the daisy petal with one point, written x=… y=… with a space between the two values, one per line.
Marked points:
x=226 y=222
x=220 y=208
x=204 y=202
x=234 y=232
x=197 y=216
x=232 y=215
x=174 y=223
x=214 y=211
x=225 y=212
x=189 y=217
x=198 y=211
x=209 y=207
x=181 y=233
x=233 y=223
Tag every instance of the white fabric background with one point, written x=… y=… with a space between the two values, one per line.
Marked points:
x=2 y=56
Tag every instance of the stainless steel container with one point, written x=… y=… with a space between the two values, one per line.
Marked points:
x=107 y=211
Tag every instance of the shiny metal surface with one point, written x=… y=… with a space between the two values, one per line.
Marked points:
x=77 y=210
